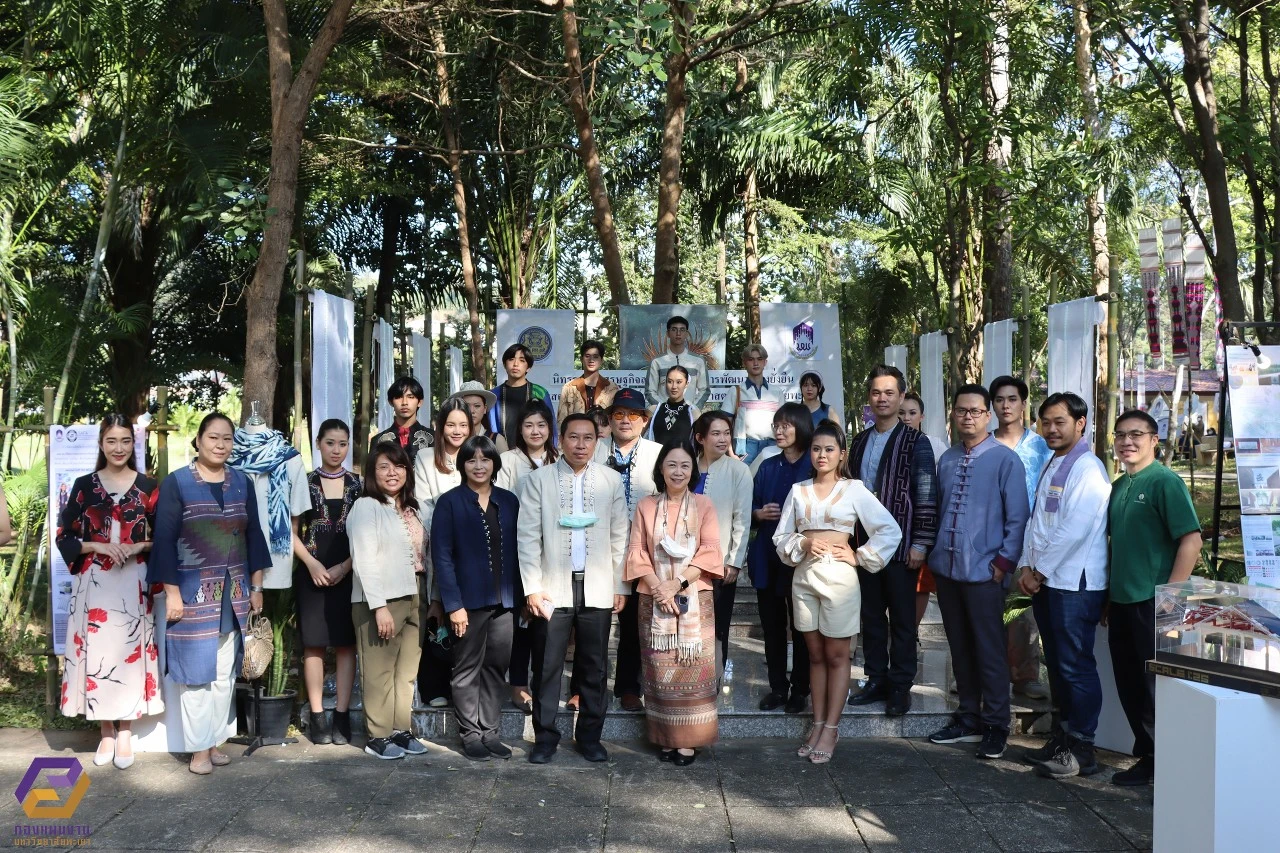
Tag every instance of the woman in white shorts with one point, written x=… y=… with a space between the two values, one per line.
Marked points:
x=818 y=519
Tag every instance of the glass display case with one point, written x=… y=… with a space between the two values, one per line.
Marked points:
x=1220 y=629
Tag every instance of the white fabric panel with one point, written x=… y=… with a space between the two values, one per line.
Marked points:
x=422 y=372
x=385 y=340
x=1072 y=343
x=932 y=390
x=896 y=356
x=997 y=350
x=455 y=369
x=333 y=350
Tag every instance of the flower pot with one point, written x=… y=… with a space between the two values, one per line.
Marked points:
x=273 y=714
x=244 y=697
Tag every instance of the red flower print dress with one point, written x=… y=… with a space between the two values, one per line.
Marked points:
x=112 y=667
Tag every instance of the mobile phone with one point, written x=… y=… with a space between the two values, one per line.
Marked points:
x=682 y=604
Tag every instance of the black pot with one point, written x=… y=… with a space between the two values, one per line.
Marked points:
x=273 y=714
x=244 y=696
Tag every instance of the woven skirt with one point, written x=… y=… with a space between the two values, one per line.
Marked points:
x=680 y=699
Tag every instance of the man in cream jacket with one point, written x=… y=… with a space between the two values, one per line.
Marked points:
x=573 y=538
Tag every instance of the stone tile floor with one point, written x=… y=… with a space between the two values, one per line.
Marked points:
x=890 y=794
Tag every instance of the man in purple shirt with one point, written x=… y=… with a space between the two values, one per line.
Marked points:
x=983 y=512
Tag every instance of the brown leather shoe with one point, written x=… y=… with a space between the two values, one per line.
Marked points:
x=631 y=702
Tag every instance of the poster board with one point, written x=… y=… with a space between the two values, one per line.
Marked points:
x=804 y=337
x=1254 y=400
x=549 y=335
x=73 y=452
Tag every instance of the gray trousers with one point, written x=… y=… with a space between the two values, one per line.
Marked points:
x=973 y=615
x=480 y=660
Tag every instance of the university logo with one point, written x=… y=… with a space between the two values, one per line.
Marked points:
x=65 y=777
x=538 y=340
x=804 y=340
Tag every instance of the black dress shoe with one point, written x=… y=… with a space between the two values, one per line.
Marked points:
x=666 y=754
x=498 y=749
x=898 y=703
x=593 y=751
x=796 y=705
x=772 y=702
x=681 y=760
x=542 y=753
x=476 y=751
x=872 y=692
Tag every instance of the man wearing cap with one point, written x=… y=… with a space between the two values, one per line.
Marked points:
x=677 y=353
x=480 y=400
x=634 y=458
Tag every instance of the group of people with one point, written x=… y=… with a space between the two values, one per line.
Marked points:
x=467 y=558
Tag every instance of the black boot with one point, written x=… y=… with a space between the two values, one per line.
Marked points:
x=341 y=727
x=319 y=730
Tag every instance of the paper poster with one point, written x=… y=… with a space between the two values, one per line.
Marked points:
x=1254 y=398
x=73 y=452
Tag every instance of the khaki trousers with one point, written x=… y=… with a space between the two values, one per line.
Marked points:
x=388 y=667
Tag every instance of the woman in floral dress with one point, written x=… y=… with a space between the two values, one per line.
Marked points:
x=112 y=671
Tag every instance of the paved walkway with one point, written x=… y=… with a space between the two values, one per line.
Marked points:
x=882 y=794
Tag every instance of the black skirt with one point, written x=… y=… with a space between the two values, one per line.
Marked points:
x=324 y=612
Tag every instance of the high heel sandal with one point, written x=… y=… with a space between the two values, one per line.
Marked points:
x=806 y=748
x=822 y=756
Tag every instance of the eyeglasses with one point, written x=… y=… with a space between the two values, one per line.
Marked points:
x=627 y=416
x=969 y=413
x=388 y=468
x=1133 y=435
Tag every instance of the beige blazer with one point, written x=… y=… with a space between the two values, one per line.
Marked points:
x=381 y=553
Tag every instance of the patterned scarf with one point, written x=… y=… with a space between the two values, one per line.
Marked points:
x=682 y=632
x=1053 y=499
x=266 y=453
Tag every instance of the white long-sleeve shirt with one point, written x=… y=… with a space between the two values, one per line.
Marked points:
x=1061 y=545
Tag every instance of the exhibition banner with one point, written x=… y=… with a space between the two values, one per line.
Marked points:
x=333 y=335
x=549 y=335
x=804 y=337
x=1149 y=265
x=73 y=452
x=385 y=342
x=1173 y=276
x=1194 y=273
x=1254 y=400
x=422 y=372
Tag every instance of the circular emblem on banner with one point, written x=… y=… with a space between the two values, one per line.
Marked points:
x=804 y=340
x=538 y=340
x=71 y=435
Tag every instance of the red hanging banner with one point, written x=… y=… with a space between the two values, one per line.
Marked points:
x=1195 y=275
x=1173 y=271
x=1149 y=264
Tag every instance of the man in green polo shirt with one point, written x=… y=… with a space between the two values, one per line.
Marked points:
x=1155 y=539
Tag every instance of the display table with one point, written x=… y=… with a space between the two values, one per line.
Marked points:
x=1217 y=751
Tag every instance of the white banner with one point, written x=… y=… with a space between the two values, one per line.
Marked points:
x=333 y=335
x=422 y=372
x=896 y=356
x=384 y=339
x=997 y=350
x=73 y=452
x=932 y=387
x=722 y=382
x=804 y=337
x=455 y=369
x=1072 y=341
x=549 y=336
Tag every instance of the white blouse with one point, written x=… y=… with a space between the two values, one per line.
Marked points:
x=515 y=467
x=848 y=505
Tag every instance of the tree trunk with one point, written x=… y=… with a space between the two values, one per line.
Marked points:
x=290 y=105
x=134 y=280
x=1257 y=198
x=601 y=209
x=449 y=128
x=666 y=261
x=95 y=271
x=998 y=234
x=751 y=257
x=393 y=215
x=1197 y=71
x=1273 y=133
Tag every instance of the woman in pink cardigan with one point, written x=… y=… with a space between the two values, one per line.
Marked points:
x=675 y=555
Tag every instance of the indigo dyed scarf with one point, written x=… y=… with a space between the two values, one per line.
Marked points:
x=1053 y=499
x=266 y=453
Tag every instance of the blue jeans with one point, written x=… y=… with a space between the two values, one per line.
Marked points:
x=749 y=448
x=1068 y=624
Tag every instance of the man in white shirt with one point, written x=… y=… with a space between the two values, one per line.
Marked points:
x=573 y=538
x=699 y=387
x=1064 y=569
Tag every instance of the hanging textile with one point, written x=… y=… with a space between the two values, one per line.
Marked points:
x=1149 y=264
x=1173 y=277
x=896 y=356
x=384 y=337
x=1195 y=296
x=333 y=350
x=422 y=373
x=1072 y=342
x=932 y=346
x=997 y=350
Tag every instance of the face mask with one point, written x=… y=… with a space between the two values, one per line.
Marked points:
x=578 y=521
x=675 y=549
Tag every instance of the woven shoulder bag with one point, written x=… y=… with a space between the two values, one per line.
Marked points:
x=258 y=647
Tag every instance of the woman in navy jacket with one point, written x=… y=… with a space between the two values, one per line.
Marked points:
x=473 y=550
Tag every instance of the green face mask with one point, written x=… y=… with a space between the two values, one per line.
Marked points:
x=578 y=521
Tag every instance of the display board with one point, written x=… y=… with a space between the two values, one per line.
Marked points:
x=73 y=452
x=804 y=337
x=1254 y=400
x=549 y=336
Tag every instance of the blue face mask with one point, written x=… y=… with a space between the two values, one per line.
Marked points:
x=578 y=521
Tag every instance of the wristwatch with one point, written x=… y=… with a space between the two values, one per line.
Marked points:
x=255 y=588
x=684 y=584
